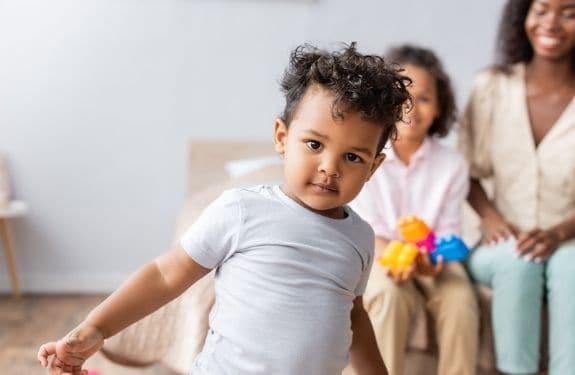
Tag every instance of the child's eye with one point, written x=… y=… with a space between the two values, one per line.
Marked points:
x=570 y=13
x=314 y=145
x=353 y=158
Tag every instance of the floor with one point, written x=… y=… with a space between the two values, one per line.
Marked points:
x=27 y=323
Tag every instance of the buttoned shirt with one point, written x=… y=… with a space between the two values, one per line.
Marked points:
x=432 y=186
x=534 y=186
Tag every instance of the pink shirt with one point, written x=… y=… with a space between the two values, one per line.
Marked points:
x=433 y=186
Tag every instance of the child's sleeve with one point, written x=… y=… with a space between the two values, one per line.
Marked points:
x=369 y=244
x=215 y=235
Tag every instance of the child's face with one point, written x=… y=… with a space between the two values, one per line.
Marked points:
x=550 y=27
x=326 y=160
x=416 y=123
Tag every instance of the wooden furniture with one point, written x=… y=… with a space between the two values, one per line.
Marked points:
x=11 y=210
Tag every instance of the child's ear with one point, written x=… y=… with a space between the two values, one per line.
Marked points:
x=280 y=135
x=376 y=163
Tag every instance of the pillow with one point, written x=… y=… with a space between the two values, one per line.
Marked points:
x=242 y=167
x=195 y=204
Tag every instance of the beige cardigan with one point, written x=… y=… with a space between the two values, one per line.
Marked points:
x=534 y=187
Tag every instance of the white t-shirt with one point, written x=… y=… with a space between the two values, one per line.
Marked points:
x=285 y=283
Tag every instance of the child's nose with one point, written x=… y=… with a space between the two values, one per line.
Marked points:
x=412 y=116
x=329 y=166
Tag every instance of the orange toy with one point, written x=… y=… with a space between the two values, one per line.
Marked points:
x=413 y=229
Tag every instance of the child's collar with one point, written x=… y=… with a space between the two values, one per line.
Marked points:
x=421 y=152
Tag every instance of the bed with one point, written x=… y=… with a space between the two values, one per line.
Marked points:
x=174 y=334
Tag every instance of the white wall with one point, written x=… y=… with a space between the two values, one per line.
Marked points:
x=99 y=97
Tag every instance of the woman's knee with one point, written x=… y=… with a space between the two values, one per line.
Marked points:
x=486 y=261
x=510 y=276
x=561 y=265
x=512 y=269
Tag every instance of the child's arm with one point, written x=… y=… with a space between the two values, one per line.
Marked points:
x=365 y=357
x=152 y=286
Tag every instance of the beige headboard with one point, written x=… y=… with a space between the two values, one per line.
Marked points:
x=206 y=170
x=207 y=159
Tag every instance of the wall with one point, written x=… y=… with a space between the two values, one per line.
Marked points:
x=98 y=99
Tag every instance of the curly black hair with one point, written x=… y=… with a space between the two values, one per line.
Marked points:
x=512 y=45
x=360 y=83
x=427 y=60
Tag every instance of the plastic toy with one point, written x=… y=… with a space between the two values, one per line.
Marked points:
x=452 y=248
x=398 y=256
x=391 y=254
x=407 y=256
x=416 y=231
x=412 y=228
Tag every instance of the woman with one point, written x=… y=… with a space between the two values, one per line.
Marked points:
x=519 y=130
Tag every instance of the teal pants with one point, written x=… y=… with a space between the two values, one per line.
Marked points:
x=519 y=288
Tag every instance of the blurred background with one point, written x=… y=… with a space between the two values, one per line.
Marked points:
x=99 y=99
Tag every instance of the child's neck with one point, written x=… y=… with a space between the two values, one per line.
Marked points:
x=406 y=148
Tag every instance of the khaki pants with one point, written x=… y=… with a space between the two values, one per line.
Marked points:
x=451 y=301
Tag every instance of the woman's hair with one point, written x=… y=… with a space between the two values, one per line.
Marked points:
x=427 y=60
x=360 y=83
x=512 y=45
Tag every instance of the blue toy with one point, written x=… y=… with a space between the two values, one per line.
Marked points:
x=452 y=248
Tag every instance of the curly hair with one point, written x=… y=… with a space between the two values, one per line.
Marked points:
x=427 y=60
x=512 y=45
x=360 y=83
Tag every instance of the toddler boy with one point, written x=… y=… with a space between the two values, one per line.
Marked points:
x=292 y=261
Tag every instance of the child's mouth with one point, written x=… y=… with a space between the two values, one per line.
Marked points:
x=323 y=188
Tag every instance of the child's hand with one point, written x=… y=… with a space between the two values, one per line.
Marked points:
x=400 y=275
x=70 y=353
x=537 y=245
x=424 y=266
x=495 y=228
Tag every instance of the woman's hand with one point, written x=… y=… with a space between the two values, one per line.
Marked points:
x=495 y=228
x=537 y=245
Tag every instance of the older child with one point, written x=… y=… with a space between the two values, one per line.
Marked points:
x=292 y=260
x=424 y=178
x=519 y=131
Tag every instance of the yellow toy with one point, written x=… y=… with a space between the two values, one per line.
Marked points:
x=398 y=256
